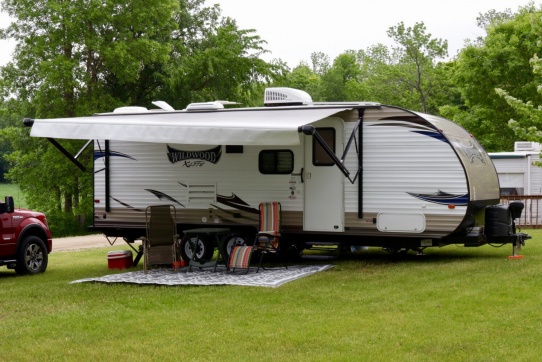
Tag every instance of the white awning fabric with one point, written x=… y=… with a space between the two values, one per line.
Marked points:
x=275 y=126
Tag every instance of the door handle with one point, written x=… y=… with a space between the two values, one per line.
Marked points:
x=299 y=174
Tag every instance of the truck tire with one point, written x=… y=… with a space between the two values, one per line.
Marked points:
x=205 y=249
x=32 y=256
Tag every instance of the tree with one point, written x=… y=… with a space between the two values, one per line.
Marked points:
x=79 y=57
x=303 y=77
x=341 y=80
x=379 y=78
x=418 y=53
x=213 y=59
x=528 y=125
x=500 y=60
x=68 y=55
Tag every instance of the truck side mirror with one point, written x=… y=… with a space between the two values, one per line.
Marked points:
x=10 y=204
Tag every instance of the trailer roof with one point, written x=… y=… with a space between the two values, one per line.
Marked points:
x=243 y=126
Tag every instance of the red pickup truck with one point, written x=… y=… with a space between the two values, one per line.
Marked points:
x=25 y=239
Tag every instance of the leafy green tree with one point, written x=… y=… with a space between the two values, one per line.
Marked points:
x=79 y=57
x=500 y=60
x=378 y=76
x=340 y=81
x=320 y=63
x=303 y=77
x=213 y=59
x=528 y=125
x=68 y=56
x=418 y=53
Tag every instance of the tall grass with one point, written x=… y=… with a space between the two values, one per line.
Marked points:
x=8 y=189
x=454 y=304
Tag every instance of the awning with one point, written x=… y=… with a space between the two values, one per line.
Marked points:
x=260 y=126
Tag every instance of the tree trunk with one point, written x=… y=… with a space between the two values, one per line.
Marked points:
x=68 y=202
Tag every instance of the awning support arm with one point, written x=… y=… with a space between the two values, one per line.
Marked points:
x=29 y=122
x=361 y=112
x=311 y=131
x=68 y=155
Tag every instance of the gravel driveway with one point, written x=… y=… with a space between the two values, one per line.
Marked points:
x=84 y=242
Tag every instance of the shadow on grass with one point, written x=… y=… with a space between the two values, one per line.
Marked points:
x=446 y=254
x=7 y=274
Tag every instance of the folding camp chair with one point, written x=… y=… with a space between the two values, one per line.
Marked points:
x=268 y=236
x=240 y=258
x=160 y=246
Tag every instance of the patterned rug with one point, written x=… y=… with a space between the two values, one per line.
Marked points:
x=264 y=278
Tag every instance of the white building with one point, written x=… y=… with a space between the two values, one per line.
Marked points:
x=519 y=175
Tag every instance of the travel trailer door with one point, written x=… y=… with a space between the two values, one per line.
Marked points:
x=324 y=182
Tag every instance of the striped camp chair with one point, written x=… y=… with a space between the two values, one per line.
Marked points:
x=268 y=237
x=240 y=258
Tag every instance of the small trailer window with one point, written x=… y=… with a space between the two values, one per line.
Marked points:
x=272 y=162
x=319 y=155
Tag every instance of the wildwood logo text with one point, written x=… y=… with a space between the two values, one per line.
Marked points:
x=212 y=155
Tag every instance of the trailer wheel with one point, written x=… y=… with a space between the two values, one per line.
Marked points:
x=230 y=242
x=204 y=248
x=32 y=256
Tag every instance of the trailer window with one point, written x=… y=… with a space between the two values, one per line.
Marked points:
x=319 y=155
x=272 y=162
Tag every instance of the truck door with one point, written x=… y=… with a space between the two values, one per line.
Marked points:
x=324 y=182
x=6 y=231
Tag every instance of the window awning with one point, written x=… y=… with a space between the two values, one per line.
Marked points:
x=257 y=126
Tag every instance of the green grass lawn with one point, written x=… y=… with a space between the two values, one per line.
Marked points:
x=12 y=190
x=454 y=304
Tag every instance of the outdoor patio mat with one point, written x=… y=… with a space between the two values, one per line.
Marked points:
x=264 y=278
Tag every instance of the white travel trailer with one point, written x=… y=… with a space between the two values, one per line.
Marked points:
x=345 y=173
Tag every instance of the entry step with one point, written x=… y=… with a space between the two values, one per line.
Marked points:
x=321 y=244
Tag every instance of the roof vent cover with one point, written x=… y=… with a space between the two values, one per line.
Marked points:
x=285 y=97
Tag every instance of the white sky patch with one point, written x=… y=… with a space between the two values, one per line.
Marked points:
x=294 y=29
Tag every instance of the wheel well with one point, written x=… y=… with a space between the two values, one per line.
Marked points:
x=33 y=231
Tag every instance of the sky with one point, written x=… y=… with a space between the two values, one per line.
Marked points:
x=294 y=29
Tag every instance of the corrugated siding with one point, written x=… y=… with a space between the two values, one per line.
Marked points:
x=396 y=161
x=149 y=168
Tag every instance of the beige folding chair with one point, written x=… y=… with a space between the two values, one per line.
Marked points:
x=160 y=246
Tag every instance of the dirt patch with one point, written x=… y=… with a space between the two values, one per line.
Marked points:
x=85 y=242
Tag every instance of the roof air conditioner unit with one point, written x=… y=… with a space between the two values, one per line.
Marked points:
x=522 y=146
x=286 y=97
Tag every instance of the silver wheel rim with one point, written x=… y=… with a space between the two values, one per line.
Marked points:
x=188 y=248
x=33 y=257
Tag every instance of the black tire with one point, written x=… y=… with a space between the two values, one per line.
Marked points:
x=32 y=256
x=205 y=249
x=230 y=242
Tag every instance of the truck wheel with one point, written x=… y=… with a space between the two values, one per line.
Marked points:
x=32 y=256
x=205 y=249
